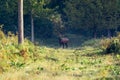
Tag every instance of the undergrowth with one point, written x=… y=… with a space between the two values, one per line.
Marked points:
x=111 y=45
x=36 y=62
x=13 y=55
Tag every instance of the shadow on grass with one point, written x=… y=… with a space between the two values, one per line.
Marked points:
x=89 y=53
x=109 y=78
x=74 y=42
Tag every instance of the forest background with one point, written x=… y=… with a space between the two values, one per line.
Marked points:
x=90 y=18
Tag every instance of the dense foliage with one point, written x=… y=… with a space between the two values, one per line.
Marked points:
x=111 y=45
x=94 y=18
x=13 y=55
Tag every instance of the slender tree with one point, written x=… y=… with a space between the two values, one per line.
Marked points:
x=32 y=28
x=20 y=22
x=36 y=9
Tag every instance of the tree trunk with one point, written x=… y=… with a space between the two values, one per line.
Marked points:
x=116 y=32
x=20 y=22
x=32 y=29
x=109 y=33
x=95 y=32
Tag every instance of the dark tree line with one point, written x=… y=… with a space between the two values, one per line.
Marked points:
x=46 y=18
x=95 y=17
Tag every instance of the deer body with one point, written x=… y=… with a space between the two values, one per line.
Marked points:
x=63 y=41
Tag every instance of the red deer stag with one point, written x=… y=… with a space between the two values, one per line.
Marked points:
x=63 y=41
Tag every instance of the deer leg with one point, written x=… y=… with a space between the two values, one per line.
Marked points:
x=60 y=44
x=63 y=45
x=66 y=45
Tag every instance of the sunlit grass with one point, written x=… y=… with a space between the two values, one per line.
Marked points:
x=30 y=62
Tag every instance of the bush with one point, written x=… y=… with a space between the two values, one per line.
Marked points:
x=92 y=42
x=114 y=46
x=2 y=35
x=111 y=45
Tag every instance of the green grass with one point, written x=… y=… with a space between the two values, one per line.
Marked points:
x=60 y=64
x=29 y=62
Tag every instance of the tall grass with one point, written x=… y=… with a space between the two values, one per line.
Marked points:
x=32 y=62
x=13 y=55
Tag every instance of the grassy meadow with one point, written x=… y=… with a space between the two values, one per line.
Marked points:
x=83 y=60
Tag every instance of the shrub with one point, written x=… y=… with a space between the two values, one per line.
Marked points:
x=104 y=43
x=92 y=42
x=114 y=46
x=2 y=35
x=13 y=55
x=111 y=45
